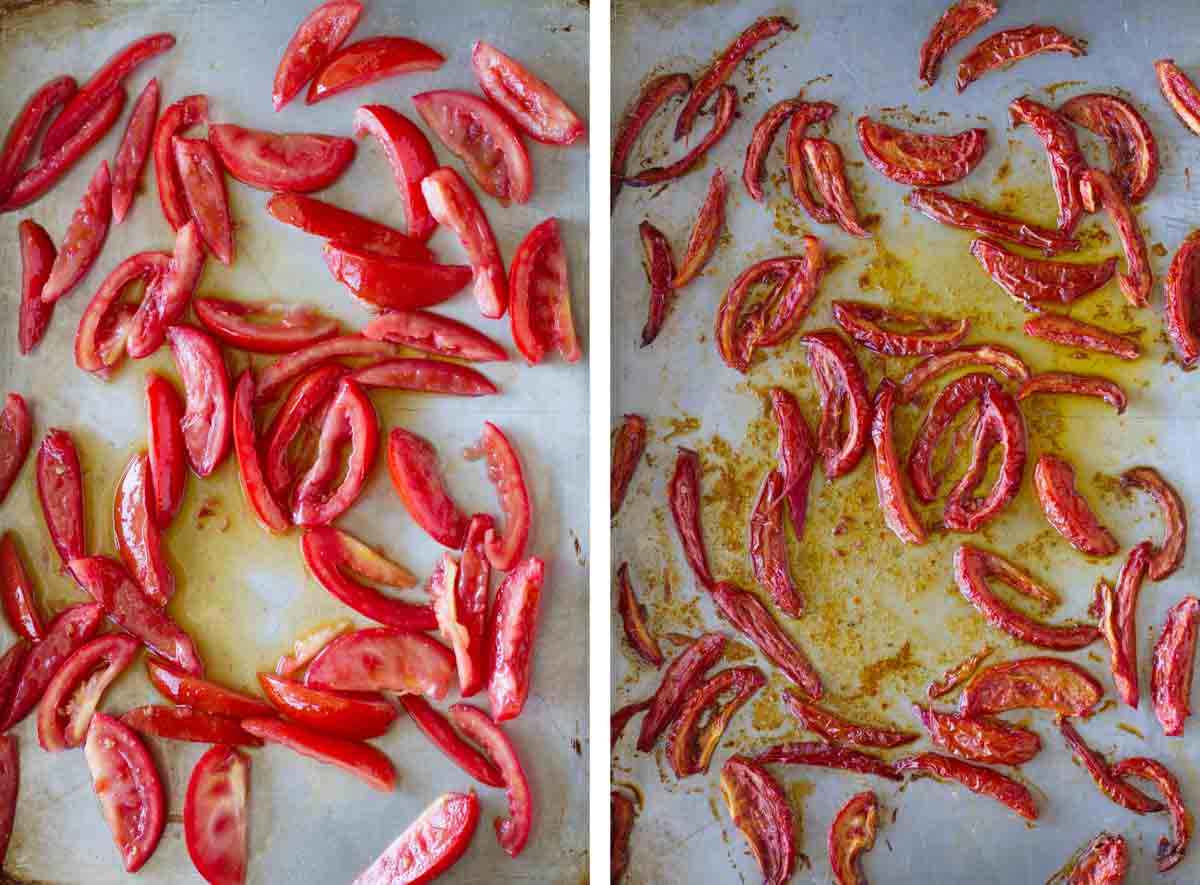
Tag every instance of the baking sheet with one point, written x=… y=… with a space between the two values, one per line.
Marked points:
x=883 y=621
x=243 y=594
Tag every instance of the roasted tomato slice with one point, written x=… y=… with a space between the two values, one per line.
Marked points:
x=621 y=718
x=412 y=463
x=1169 y=853
x=1067 y=164
x=843 y=389
x=452 y=204
x=1037 y=282
x=863 y=322
x=759 y=147
x=350 y=421
x=409 y=154
x=758 y=807
x=188 y=724
x=369 y=61
x=264 y=327
x=633 y=619
x=898 y=513
x=957 y=23
x=207 y=419
x=1067 y=510
x=796 y=454
x=952 y=400
x=128 y=787
x=292 y=162
x=512 y=638
x=1180 y=92
x=104 y=327
x=1078 y=385
x=975 y=778
x=1168 y=556
x=1000 y=424
x=16 y=435
x=851 y=835
x=178 y=117
x=1100 y=191
x=84 y=238
x=203 y=182
x=1183 y=291
x=629 y=442
x=318 y=37
x=1117 y=790
x=827 y=170
x=480 y=136
x=356 y=718
x=1132 y=150
x=751 y=618
x=504 y=550
x=972 y=568
x=431 y=845
x=958 y=674
x=1070 y=332
x=383 y=659
x=768 y=546
x=167 y=295
x=433 y=333
x=723 y=117
x=70 y=629
x=189 y=690
x=250 y=468
x=10 y=766
x=214 y=815
x=993 y=356
x=139 y=539
x=529 y=101
x=921 y=159
x=166 y=448
x=965 y=215
x=1104 y=861
x=438 y=729
x=383 y=282
x=706 y=232
x=273 y=378
x=37 y=257
x=1006 y=47
x=18 y=144
x=798 y=172
x=330 y=222
x=512 y=832
x=834 y=728
x=540 y=290
x=356 y=757
x=692 y=741
x=60 y=490
x=73 y=694
x=1174 y=661
x=659 y=264
x=979 y=739
x=1053 y=684
x=682 y=676
x=16 y=594
x=653 y=96
x=683 y=494
x=1117 y=621
x=622 y=816
x=828 y=755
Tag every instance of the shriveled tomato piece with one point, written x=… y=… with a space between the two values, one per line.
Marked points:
x=100 y=342
x=682 y=676
x=368 y=61
x=723 y=116
x=134 y=151
x=165 y=445
x=318 y=37
x=189 y=690
x=659 y=265
x=843 y=388
x=513 y=831
x=1001 y=359
x=84 y=239
x=834 y=728
x=1132 y=149
x=1180 y=92
x=434 y=333
x=957 y=23
x=692 y=744
x=965 y=215
x=1104 y=861
x=921 y=159
x=351 y=421
x=10 y=768
x=1183 y=293
x=706 y=231
x=958 y=674
x=386 y=283
x=654 y=95
x=629 y=442
x=214 y=815
x=1067 y=164
x=356 y=757
x=540 y=293
x=483 y=139
x=206 y=421
x=250 y=469
x=128 y=787
x=1006 y=47
x=1118 y=791
x=18 y=144
x=273 y=378
x=1174 y=661
x=746 y=613
x=527 y=99
x=60 y=491
x=1067 y=510
x=898 y=513
x=269 y=161
x=37 y=257
x=683 y=494
x=1169 y=854
x=1168 y=556
x=863 y=322
x=16 y=436
x=188 y=724
x=1000 y=424
x=409 y=154
x=1041 y=282
x=1070 y=332
x=979 y=739
x=768 y=546
x=183 y=114
x=633 y=619
x=1079 y=385
x=621 y=718
x=167 y=295
x=70 y=629
x=438 y=729
x=977 y=779
x=330 y=222
x=512 y=638
x=798 y=171
x=138 y=536
x=16 y=594
x=759 y=147
x=203 y=182
x=504 y=550
x=264 y=327
x=1118 y=623
x=356 y=718
x=412 y=463
x=851 y=835
x=956 y=396
x=383 y=659
x=1100 y=191
x=431 y=845
x=452 y=204
x=758 y=807
x=827 y=171
x=1054 y=684
x=73 y=694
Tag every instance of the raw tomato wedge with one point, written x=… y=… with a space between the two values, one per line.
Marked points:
x=540 y=292
x=134 y=151
x=16 y=435
x=16 y=593
x=72 y=695
x=206 y=421
x=472 y=592
x=409 y=154
x=438 y=729
x=483 y=139
x=166 y=448
x=354 y=718
x=214 y=815
x=383 y=659
x=292 y=162
x=188 y=724
x=70 y=629
x=167 y=295
x=922 y=160
x=527 y=99
x=350 y=420
x=452 y=204
x=433 y=333
x=296 y=424
x=504 y=470
x=84 y=238
x=513 y=831
x=273 y=378
x=203 y=183
x=264 y=327
x=318 y=37
x=387 y=283
x=245 y=444
x=24 y=129
x=183 y=114
x=37 y=257
x=512 y=638
x=330 y=222
x=356 y=757
x=138 y=536
x=104 y=327
x=10 y=776
x=369 y=61
x=189 y=690
x=60 y=490
x=128 y=787
x=431 y=845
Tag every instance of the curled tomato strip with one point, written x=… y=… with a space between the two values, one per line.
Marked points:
x=759 y=808
x=921 y=160
x=706 y=232
x=965 y=215
x=843 y=388
x=975 y=778
x=350 y=421
x=691 y=743
x=768 y=547
x=1117 y=790
x=863 y=322
x=1041 y=683
x=1037 y=282
x=682 y=676
x=621 y=718
x=1077 y=385
x=827 y=170
x=683 y=494
x=1174 y=661
x=739 y=333
x=1100 y=191
x=1183 y=292
x=1070 y=332
x=1067 y=510
x=629 y=442
x=851 y=835
x=633 y=619
x=979 y=739
x=1132 y=150
x=760 y=144
x=1168 y=556
x=1169 y=853
x=726 y=111
x=955 y=24
x=512 y=832
x=275 y=376
x=504 y=550
x=993 y=356
x=1067 y=164
x=807 y=115
x=1179 y=90
x=958 y=674
x=1118 y=621
x=622 y=815
x=1006 y=47
x=828 y=755
x=653 y=96
x=1000 y=424
x=660 y=270
x=898 y=513
x=953 y=398
x=841 y=731
x=796 y=454
x=972 y=568
x=751 y=618
x=1105 y=861
x=439 y=730
x=793 y=298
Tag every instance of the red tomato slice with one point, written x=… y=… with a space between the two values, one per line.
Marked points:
x=297 y=422
x=412 y=462
x=75 y=691
x=206 y=421
x=37 y=257
x=180 y=116
x=168 y=295
x=483 y=139
x=293 y=162
x=318 y=37
x=104 y=327
x=214 y=816
x=308 y=645
x=127 y=607
x=265 y=326
x=425 y=376
x=275 y=377
x=84 y=238
x=383 y=659
x=138 y=539
x=540 y=309
x=351 y=420
x=331 y=222
x=409 y=154
x=360 y=759
x=60 y=489
x=355 y=718
x=389 y=283
x=186 y=724
x=504 y=470
x=513 y=831
x=431 y=845
x=534 y=106
x=512 y=637
x=433 y=333
x=10 y=778
x=20 y=607
x=472 y=593
x=451 y=202
x=203 y=182
x=134 y=150
x=12 y=663
x=188 y=690
x=439 y=730
x=369 y=61
x=245 y=443
x=128 y=787
x=166 y=448
x=24 y=129
x=16 y=435
x=69 y=630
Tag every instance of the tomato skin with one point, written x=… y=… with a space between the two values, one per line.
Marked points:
x=269 y=161
x=425 y=376
x=100 y=342
x=383 y=659
x=16 y=436
x=183 y=114
x=350 y=417
x=325 y=711
x=439 y=730
x=382 y=282
x=272 y=379
x=358 y=758
x=511 y=832
x=318 y=37
x=412 y=463
x=123 y=773
x=472 y=590
x=1005 y=47
x=84 y=238
x=60 y=490
x=369 y=61
x=134 y=150
x=409 y=154
x=165 y=448
x=1180 y=92
x=188 y=724
x=529 y=101
x=431 y=845
x=37 y=257
x=759 y=808
x=629 y=443
x=330 y=222
x=16 y=593
x=898 y=513
x=250 y=470
x=453 y=204
x=138 y=537
x=505 y=472
x=214 y=815
x=512 y=636
x=72 y=696
x=654 y=95
x=921 y=159
x=25 y=127
x=206 y=423
x=10 y=778
x=433 y=333
x=188 y=690
x=851 y=835
x=957 y=23
x=203 y=182
x=540 y=296
x=167 y=297
x=293 y=326
x=68 y=631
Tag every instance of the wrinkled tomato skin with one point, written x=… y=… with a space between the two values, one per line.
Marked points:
x=745 y=612
x=1132 y=149
x=431 y=845
x=726 y=111
x=660 y=271
x=512 y=832
x=139 y=539
x=1053 y=684
x=965 y=215
x=358 y=758
x=683 y=494
x=60 y=490
x=269 y=161
x=829 y=755
x=828 y=172
x=768 y=547
x=84 y=239
x=958 y=674
x=37 y=257
x=70 y=629
x=622 y=817
x=454 y=206
x=962 y=19
x=1037 y=282
x=24 y=129
x=799 y=174
x=1104 y=862
x=898 y=513
x=530 y=102
x=165 y=448
x=540 y=292
x=1114 y=788
x=975 y=778
x=1078 y=385
x=851 y=834
x=633 y=619
x=16 y=593
x=843 y=387
x=682 y=676
x=981 y=739
x=760 y=146
x=334 y=714
x=316 y=39
x=214 y=815
x=16 y=436
x=1001 y=423
x=412 y=463
x=1067 y=164
x=1100 y=191
x=438 y=729
x=1067 y=510
x=629 y=442
x=758 y=807
x=959 y=394
x=183 y=114
x=796 y=455
x=706 y=232
x=621 y=718
x=1070 y=332
x=695 y=737
x=206 y=424
x=1168 y=854
x=511 y=638
x=862 y=321
x=123 y=773
x=1182 y=295
x=992 y=356
x=1005 y=47
x=839 y=730
x=1174 y=661
x=351 y=421
x=1168 y=556
x=368 y=61
x=739 y=333
x=919 y=159
x=653 y=96
x=411 y=157
x=1180 y=92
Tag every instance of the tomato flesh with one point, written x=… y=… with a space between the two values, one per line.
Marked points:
x=358 y=758
x=138 y=536
x=383 y=659
x=203 y=182
x=318 y=37
x=72 y=696
x=293 y=162
x=214 y=816
x=355 y=718
x=128 y=787
x=504 y=470
x=431 y=845
x=369 y=61
x=206 y=421
x=134 y=151
x=16 y=435
x=529 y=101
x=412 y=462
x=84 y=238
x=540 y=293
